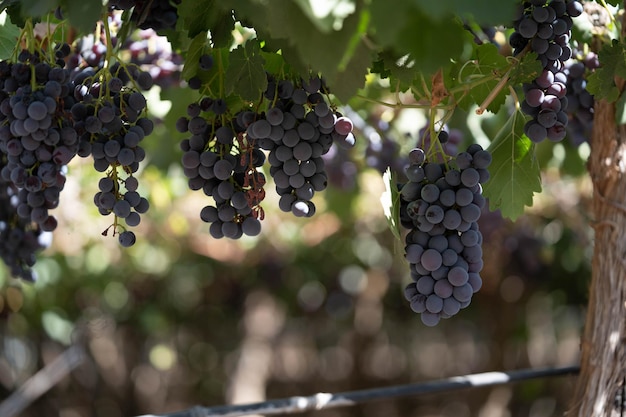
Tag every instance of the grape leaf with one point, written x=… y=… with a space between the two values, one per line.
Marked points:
x=390 y=201
x=283 y=25
x=245 y=75
x=345 y=83
x=192 y=59
x=37 y=8
x=82 y=14
x=197 y=15
x=274 y=62
x=515 y=175
x=526 y=70
x=9 y=33
x=401 y=26
x=602 y=82
x=478 y=74
x=326 y=15
x=485 y=12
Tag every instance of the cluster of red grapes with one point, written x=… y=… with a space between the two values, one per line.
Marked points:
x=545 y=27
x=440 y=206
x=224 y=152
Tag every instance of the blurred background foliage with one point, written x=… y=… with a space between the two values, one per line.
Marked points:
x=310 y=305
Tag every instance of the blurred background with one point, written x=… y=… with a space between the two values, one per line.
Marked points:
x=310 y=305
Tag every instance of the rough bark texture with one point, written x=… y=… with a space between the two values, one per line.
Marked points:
x=603 y=366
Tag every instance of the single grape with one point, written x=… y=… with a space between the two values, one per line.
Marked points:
x=127 y=238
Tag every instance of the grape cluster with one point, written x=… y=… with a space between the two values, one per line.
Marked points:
x=110 y=123
x=440 y=205
x=37 y=140
x=580 y=108
x=297 y=130
x=222 y=162
x=20 y=239
x=225 y=150
x=36 y=135
x=545 y=26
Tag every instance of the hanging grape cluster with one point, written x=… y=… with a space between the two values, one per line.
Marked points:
x=48 y=115
x=109 y=118
x=580 y=108
x=223 y=155
x=440 y=206
x=545 y=28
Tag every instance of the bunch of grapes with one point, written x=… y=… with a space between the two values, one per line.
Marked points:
x=545 y=26
x=37 y=137
x=20 y=239
x=37 y=140
x=109 y=118
x=297 y=129
x=580 y=108
x=220 y=160
x=440 y=205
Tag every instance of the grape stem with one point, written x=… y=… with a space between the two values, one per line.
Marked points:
x=494 y=93
x=606 y=7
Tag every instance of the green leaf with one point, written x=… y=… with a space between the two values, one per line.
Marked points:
x=192 y=57
x=14 y=11
x=526 y=70
x=400 y=70
x=197 y=16
x=602 y=82
x=399 y=25
x=245 y=75
x=274 y=63
x=222 y=31
x=390 y=201
x=346 y=83
x=478 y=77
x=283 y=25
x=515 y=175
x=82 y=14
x=326 y=15
x=38 y=8
x=485 y=12
x=9 y=33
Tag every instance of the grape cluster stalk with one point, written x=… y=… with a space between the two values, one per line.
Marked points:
x=440 y=206
x=545 y=28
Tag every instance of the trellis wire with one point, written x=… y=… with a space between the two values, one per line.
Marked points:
x=321 y=401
